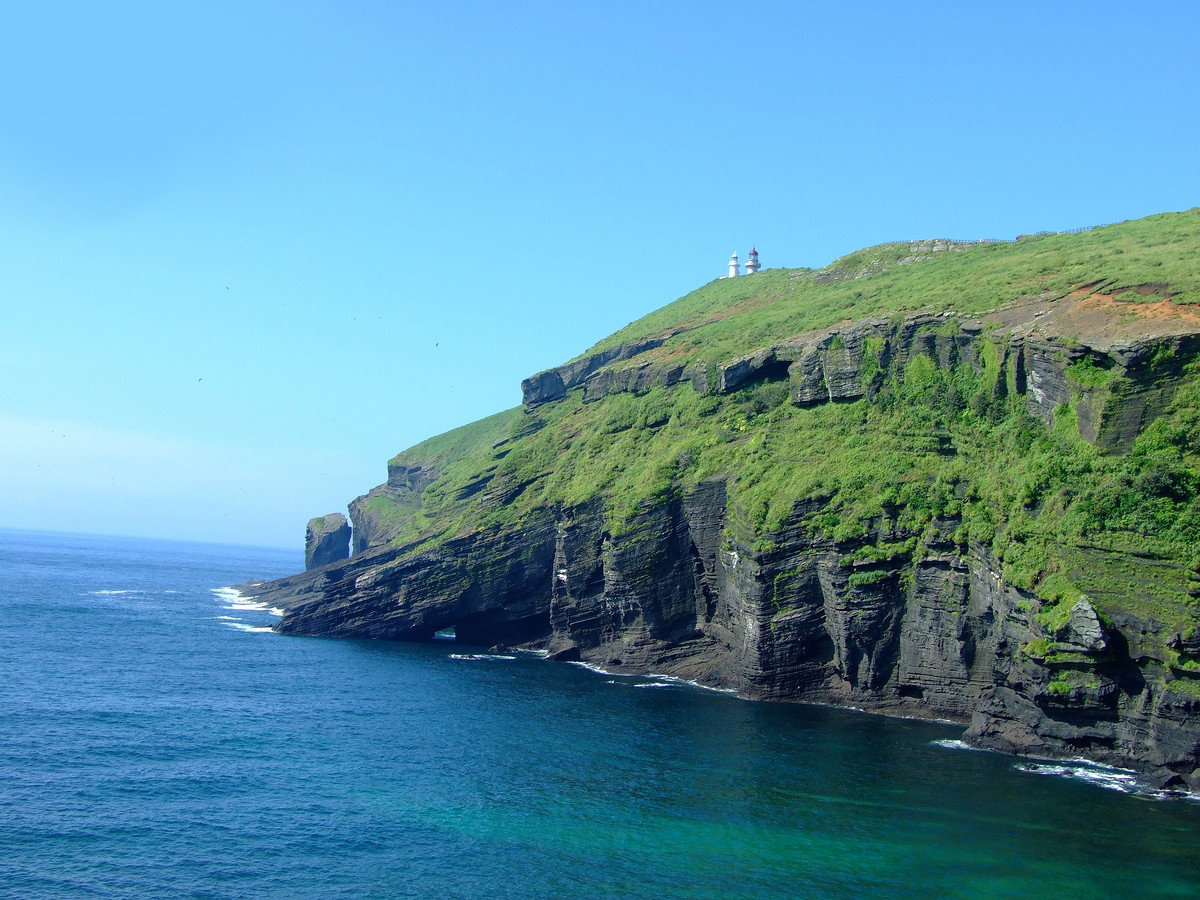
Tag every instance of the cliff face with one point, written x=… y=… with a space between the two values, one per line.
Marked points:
x=1038 y=344
x=931 y=631
x=326 y=540
x=987 y=516
x=402 y=490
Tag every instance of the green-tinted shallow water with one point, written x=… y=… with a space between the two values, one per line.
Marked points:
x=150 y=748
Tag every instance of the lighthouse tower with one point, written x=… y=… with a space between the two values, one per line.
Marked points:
x=752 y=265
x=734 y=268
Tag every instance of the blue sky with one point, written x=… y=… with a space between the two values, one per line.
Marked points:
x=250 y=251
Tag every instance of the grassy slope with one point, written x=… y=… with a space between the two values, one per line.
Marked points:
x=743 y=314
x=1060 y=516
x=467 y=448
x=459 y=444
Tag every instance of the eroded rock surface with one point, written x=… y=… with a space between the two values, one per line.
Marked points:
x=326 y=540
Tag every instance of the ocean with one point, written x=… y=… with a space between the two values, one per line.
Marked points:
x=158 y=740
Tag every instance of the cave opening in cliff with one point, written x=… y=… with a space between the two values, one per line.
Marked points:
x=501 y=626
x=776 y=370
x=767 y=389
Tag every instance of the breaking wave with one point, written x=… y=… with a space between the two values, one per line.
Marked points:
x=235 y=599
x=953 y=744
x=242 y=626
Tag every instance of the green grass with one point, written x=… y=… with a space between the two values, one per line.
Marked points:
x=1059 y=688
x=870 y=577
x=1090 y=376
x=1037 y=649
x=730 y=317
x=469 y=440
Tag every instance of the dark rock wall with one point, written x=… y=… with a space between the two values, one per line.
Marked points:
x=641 y=378
x=553 y=384
x=933 y=631
x=493 y=586
x=326 y=540
x=852 y=361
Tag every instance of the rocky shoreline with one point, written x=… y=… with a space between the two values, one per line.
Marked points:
x=670 y=596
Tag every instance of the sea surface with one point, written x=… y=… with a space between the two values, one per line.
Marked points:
x=157 y=740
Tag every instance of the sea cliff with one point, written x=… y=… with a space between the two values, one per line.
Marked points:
x=937 y=479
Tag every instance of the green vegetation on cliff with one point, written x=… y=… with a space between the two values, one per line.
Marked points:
x=1144 y=260
x=930 y=440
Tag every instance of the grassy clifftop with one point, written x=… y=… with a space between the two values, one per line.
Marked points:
x=460 y=444
x=931 y=440
x=729 y=317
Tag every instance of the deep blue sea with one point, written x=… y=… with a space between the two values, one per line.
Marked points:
x=157 y=741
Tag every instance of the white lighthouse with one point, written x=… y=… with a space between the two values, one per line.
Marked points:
x=734 y=268
x=752 y=265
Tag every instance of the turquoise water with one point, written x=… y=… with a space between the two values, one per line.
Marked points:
x=150 y=747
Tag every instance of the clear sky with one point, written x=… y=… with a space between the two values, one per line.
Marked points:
x=249 y=251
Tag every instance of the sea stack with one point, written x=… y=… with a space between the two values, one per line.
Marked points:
x=326 y=540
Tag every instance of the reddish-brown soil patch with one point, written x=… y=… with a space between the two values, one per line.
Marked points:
x=1099 y=319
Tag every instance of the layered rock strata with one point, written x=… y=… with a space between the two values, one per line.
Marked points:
x=1042 y=345
x=931 y=630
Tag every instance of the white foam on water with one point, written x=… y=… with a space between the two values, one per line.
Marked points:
x=1079 y=760
x=709 y=687
x=928 y=719
x=1110 y=777
x=230 y=618
x=592 y=668
x=480 y=656
x=951 y=744
x=1114 y=778
x=114 y=593
x=242 y=626
x=1173 y=794
x=236 y=600
x=675 y=679
x=659 y=680
x=539 y=653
